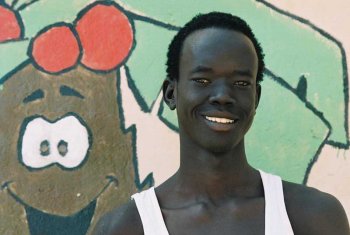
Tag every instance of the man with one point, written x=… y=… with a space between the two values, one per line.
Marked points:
x=215 y=67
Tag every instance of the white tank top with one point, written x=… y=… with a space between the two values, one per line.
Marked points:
x=276 y=217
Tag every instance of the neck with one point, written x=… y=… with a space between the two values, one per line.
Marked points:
x=216 y=173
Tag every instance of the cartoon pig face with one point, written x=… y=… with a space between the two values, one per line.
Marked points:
x=61 y=144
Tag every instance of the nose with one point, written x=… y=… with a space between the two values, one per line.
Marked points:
x=64 y=142
x=221 y=94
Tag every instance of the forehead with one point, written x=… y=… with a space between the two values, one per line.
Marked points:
x=218 y=45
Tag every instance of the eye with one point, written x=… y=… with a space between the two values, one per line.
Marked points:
x=36 y=95
x=241 y=83
x=202 y=81
x=68 y=91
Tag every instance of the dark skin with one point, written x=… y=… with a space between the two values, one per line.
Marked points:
x=215 y=190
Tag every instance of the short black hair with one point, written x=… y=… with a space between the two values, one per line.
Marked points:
x=210 y=20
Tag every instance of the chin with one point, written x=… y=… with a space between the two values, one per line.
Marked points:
x=221 y=148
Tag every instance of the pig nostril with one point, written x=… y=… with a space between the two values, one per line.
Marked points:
x=62 y=148
x=45 y=148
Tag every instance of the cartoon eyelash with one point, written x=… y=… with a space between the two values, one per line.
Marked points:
x=36 y=95
x=68 y=91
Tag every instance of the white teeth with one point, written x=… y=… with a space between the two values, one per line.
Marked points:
x=220 y=120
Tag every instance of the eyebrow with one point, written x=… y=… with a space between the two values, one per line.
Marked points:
x=35 y=95
x=204 y=69
x=68 y=91
x=201 y=69
x=246 y=73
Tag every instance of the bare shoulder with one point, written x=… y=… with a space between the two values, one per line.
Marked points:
x=314 y=212
x=124 y=220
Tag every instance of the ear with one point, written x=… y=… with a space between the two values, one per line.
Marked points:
x=169 y=94
x=258 y=94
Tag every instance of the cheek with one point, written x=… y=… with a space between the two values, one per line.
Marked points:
x=187 y=99
x=248 y=104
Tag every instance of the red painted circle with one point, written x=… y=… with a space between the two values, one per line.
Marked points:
x=106 y=37
x=9 y=26
x=56 y=49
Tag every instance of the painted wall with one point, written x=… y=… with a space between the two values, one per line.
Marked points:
x=330 y=172
x=83 y=125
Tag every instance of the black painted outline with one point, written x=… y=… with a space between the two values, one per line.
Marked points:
x=15 y=70
x=153 y=21
x=133 y=44
x=314 y=159
x=168 y=123
x=23 y=129
x=308 y=105
x=44 y=30
x=34 y=217
x=139 y=98
x=149 y=180
x=344 y=64
x=25 y=5
x=6 y=187
x=13 y=4
x=14 y=40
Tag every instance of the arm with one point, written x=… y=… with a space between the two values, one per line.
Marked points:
x=312 y=212
x=329 y=218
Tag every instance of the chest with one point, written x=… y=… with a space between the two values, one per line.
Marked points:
x=243 y=218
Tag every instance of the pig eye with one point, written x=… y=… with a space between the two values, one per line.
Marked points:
x=68 y=91
x=36 y=95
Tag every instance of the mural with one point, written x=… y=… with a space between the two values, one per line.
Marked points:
x=65 y=159
x=330 y=172
x=83 y=125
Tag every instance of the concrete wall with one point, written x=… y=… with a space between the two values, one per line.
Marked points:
x=83 y=126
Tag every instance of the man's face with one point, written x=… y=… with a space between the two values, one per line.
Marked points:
x=216 y=94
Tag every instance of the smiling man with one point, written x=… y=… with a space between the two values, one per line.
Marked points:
x=215 y=66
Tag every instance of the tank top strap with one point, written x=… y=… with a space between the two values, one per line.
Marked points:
x=276 y=217
x=150 y=212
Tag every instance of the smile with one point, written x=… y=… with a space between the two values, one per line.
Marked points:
x=10 y=187
x=220 y=120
